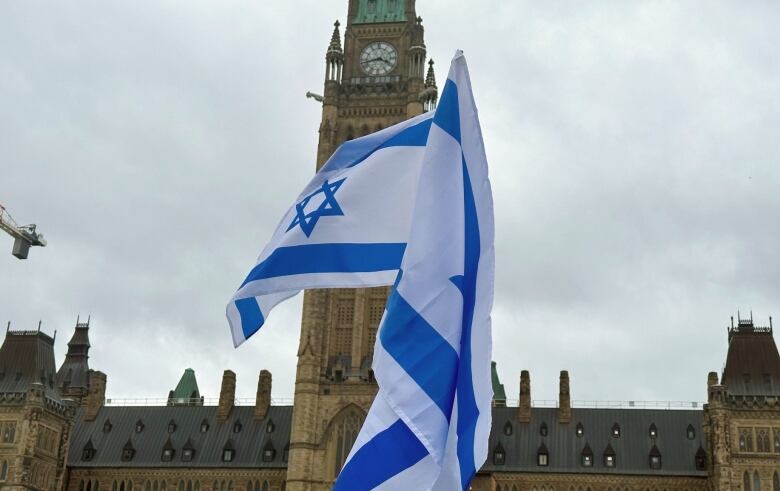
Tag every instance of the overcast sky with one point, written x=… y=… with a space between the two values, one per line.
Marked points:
x=633 y=149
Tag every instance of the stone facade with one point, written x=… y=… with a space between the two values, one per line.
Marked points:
x=35 y=422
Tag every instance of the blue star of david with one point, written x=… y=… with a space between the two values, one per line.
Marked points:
x=328 y=207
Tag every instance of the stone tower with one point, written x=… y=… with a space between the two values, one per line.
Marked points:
x=35 y=421
x=742 y=414
x=375 y=80
x=73 y=375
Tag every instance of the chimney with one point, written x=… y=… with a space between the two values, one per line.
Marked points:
x=564 y=398
x=712 y=379
x=96 y=395
x=227 y=395
x=524 y=409
x=263 y=401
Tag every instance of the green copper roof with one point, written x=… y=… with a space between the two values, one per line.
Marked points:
x=187 y=387
x=498 y=388
x=373 y=11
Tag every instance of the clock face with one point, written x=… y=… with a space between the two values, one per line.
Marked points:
x=378 y=58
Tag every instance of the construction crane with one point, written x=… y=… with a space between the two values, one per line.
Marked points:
x=24 y=236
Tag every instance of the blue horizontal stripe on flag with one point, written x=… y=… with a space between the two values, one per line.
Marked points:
x=353 y=152
x=251 y=316
x=421 y=351
x=447 y=111
x=328 y=258
x=385 y=455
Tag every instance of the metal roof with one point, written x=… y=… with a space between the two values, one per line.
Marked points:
x=27 y=357
x=752 y=364
x=632 y=448
x=187 y=388
x=74 y=371
x=248 y=443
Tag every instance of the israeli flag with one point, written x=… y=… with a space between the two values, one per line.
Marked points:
x=410 y=205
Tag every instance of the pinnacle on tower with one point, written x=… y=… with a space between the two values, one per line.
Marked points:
x=430 y=78
x=335 y=39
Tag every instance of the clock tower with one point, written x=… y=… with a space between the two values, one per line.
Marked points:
x=377 y=79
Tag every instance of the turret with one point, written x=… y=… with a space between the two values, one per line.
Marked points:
x=73 y=375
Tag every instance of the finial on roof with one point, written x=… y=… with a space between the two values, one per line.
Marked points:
x=430 y=78
x=55 y=336
x=39 y=325
x=8 y=327
x=335 y=39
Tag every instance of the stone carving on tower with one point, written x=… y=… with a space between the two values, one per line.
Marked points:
x=376 y=80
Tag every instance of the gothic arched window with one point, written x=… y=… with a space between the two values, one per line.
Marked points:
x=776 y=482
x=777 y=441
x=762 y=440
x=746 y=481
x=756 y=481
x=4 y=472
x=344 y=433
x=746 y=439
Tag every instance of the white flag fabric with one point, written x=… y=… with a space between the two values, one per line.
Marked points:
x=348 y=228
x=429 y=425
x=430 y=231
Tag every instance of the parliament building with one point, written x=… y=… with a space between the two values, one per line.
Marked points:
x=59 y=433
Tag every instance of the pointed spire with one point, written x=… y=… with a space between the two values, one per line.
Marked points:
x=335 y=39
x=430 y=78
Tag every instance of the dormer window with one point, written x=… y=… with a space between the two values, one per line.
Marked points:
x=269 y=452
x=655 y=458
x=508 y=429
x=168 y=451
x=615 y=430
x=701 y=459
x=610 y=459
x=171 y=426
x=586 y=457
x=188 y=451
x=88 y=452
x=270 y=427
x=107 y=426
x=580 y=430
x=542 y=456
x=228 y=452
x=237 y=427
x=543 y=429
x=127 y=454
x=499 y=455
x=139 y=426
x=204 y=426
x=690 y=432
x=653 y=431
